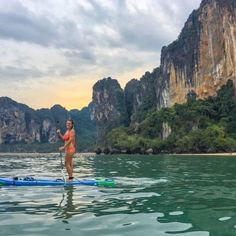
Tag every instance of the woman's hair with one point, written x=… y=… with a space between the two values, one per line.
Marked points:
x=72 y=122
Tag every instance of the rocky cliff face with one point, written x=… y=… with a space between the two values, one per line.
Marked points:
x=17 y=123
x=204 y=56
x=199 y=62
x=21 y=124
x=109 y=109
x=141 y=93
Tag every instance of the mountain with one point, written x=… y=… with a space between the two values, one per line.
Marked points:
x=203 y=58
x=198 y=63
x=109 y=108
x=25 y=129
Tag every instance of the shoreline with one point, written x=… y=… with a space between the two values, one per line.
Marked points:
x=206 y=154
x=233 y=154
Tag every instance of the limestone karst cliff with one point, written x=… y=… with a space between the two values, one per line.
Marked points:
x=199 y=62
x=109 y=109
x=203 y=58
x=20 y=124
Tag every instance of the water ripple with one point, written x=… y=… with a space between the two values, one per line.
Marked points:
x=155 y=195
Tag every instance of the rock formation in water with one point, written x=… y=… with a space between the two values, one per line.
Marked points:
x=199 y=62
x=109 y=109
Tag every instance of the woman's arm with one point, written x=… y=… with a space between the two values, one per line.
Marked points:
x=59 y=134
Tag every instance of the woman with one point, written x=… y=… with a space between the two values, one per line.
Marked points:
x=69 y=146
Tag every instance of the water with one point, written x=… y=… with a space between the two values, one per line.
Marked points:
x=155 y=195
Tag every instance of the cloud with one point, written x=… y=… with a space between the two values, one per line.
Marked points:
x=145 y=25
x=18 y=73
x=58 y=39
x=20 y=24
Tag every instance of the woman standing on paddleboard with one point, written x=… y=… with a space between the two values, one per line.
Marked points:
x=69 y=146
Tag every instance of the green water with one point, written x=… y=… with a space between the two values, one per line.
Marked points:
x=155 y=195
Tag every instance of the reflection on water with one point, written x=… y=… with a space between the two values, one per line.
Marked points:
x=65 y=211
x=154 y=196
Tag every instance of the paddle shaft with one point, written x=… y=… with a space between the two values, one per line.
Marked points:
x=62 y=168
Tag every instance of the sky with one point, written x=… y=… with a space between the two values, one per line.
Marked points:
x=54 y=51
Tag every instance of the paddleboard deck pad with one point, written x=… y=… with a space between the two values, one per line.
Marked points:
x=31 y=181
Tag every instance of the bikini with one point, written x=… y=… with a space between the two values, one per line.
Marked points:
x=71 y=147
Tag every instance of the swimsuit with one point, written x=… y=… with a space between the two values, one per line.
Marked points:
x=71 y=147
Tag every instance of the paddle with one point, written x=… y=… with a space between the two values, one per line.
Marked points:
x=62 y=168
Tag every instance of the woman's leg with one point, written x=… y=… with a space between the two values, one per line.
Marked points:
x=69 y=164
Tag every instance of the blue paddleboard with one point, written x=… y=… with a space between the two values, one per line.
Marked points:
x=30 y=181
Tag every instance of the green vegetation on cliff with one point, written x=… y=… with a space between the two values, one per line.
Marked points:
x=197 y=126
